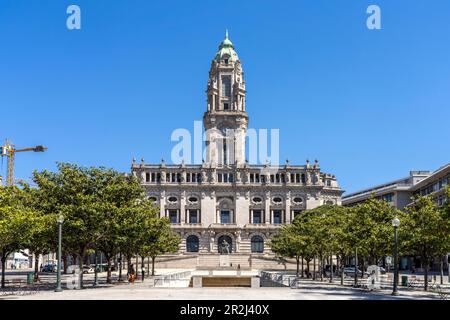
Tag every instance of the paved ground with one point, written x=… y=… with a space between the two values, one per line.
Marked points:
x=308 y=290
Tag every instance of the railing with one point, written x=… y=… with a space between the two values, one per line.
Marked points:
x=179 y=279
x=275 y=279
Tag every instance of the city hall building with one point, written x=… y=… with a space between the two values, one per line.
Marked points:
x=226 y=200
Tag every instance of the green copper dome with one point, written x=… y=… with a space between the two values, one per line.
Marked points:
x=226 y=49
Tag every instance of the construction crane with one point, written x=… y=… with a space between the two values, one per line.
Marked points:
x=9 y=150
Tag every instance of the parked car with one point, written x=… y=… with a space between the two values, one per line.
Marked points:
x=49 y=268
x=88 y=269
x=350 y=272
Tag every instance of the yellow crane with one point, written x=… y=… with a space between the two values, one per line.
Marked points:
x=9 y=150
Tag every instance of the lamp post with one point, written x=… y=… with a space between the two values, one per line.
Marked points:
x=60 y=221
x=395 y=224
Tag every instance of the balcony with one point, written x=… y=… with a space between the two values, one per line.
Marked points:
x=186 y=225
x=261 y=226
x=223 y=225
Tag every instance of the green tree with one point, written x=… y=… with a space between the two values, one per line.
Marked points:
x=17 y=223
x=290 y=242
x=425 y=231
x=159 y=239
x=370 y=229
x=80 y=194
x=120 y=195
x=44 y=237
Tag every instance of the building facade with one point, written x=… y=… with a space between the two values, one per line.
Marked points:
x=397 y=192
x=400 y=193
x=225 y=199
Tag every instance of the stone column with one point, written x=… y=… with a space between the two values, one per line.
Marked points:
x=183 y=207
x=267 y=208
x=287 y=212
x=162 y=204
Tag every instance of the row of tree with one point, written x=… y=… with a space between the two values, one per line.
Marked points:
x=103 y=211
x=365 y=231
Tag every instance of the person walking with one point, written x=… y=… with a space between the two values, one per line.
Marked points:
x=132 y=275
x=143 y=272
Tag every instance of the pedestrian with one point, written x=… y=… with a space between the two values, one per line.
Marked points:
x=131 y=274
x=143 y=272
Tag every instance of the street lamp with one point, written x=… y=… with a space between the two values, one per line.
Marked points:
x=395 y=224
x=60 y=221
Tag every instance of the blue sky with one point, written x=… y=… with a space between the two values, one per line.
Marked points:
x=370 y=105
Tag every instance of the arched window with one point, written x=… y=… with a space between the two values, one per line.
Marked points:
x=257 y=244
x=192 y=243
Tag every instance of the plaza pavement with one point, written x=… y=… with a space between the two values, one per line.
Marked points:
x=307 y=290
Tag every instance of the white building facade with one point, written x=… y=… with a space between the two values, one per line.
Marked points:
x=225 y=198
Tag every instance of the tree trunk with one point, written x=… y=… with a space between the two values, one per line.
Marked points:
x=341 y=268
x=356 y=267
x=153 y=266
x=442 y=270
x=80 y=277
x=36 y=267
x=120 y=267
x=108 y=273
x=426 y=276
x=321 y=268
x=64 y=259
x=331 y=268
x=148 y=265
x=302 y=267
x=142 y=267
x=3 y=270
x=362 y=267
x=308 y=261
x=314 y=268
x=298 y=265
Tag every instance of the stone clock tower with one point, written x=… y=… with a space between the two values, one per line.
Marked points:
x=225 y=120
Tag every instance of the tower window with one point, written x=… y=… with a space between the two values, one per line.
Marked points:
x=226 y=61
x=226 y=86
x=226 y=106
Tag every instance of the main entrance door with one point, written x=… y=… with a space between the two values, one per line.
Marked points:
x=222 y=244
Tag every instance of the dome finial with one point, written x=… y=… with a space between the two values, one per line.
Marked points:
x=226 y=33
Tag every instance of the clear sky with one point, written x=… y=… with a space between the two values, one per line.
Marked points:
x=371 y=105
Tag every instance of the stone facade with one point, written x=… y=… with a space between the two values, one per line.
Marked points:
x=225 y=198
